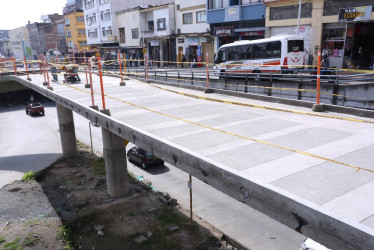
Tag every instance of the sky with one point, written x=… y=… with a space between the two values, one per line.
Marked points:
x=17 y=13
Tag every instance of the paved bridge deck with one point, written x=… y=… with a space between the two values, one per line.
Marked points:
x=313 y=157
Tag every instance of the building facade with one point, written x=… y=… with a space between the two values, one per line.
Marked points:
x=20 y=43
x=234 y=20
x=44 y=36
x=5 y=48
x=193 y=32
x=75 y=34
x=343 y=29
x=157 y=26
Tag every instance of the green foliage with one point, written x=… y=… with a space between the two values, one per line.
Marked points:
x=99 y=166
x=31 y=222
x=30 y=240
x=65 y=234
x=13 y=245
x=29 y=176
x=2 y=240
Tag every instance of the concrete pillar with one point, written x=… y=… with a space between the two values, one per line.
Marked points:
x=317 y=27
x=67 y=131
x=161 y=52
x=115 y=164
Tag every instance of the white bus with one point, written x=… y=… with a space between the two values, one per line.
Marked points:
x=280 y=54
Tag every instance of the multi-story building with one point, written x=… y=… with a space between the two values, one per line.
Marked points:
x=130 y=34
x=20 y=43
x=44 y=36
x=61 y=36
x=193 y=33
x=72 y=6
x=157 y=28
x=75 y=33
x=341 y=28
x=233 y=20
x=5 y=48
x=101 y=29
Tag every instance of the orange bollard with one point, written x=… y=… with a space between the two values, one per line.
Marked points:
x=40 y=65
x=101 y=83
x=14 y=66
x=120 y=70
x=207 y=71
x=318 y=76
x=124 y=64
x=27 y=70
x=91 y=86
x=146 y=68
x=45 y=78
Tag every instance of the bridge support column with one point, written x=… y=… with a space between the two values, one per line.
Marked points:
x=115 y=164
x=67 y=131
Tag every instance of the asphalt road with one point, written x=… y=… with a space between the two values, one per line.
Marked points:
x=32 y=143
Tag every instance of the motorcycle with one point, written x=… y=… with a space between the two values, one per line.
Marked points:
x=326 y=73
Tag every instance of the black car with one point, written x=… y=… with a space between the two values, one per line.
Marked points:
x=142 y=157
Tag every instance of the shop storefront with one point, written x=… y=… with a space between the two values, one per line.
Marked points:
x=350 y=42
x=194 y=49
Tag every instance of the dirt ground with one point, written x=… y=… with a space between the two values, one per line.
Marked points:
x=69 y=208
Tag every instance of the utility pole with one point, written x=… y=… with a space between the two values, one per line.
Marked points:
x=298 y=18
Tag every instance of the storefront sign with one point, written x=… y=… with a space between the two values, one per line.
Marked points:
x=112 y=38
x=231 y=11
x=155 y=42
x=192 y=41
x=224 y=31
x=180 y=40
x=206 y=39
x=252 y=33
x=355 y=13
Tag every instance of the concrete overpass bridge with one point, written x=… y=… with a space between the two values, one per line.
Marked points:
x=311 y=172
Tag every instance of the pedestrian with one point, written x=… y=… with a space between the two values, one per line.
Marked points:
x=32 y=99
x=183 y=60
x=52 y=62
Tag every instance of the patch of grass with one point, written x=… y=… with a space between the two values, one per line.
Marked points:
x=160 y=240
x=2 y=240
x=168 y=215
x=99 y=166
x=85 y=216
x=29 y=176
x=132 y=177
x=31 y=222
x=30 y=240
x=65 y=234
x=13 y=245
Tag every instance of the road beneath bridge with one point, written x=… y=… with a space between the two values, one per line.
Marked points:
x=324 y=159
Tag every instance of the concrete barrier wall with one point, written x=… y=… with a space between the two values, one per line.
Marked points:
x=312 y=220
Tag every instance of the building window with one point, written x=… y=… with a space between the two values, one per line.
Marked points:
x=161 y=24
x=68 y=33
x=122 y=35
x=107 y=31
x=201 y=16
x=135 y=33
x=82 y=44
x=151 y=25
x=81 y=32
x=70 y=44
x=105 y=15
x=187 y=18
x=290 y=12
x=251 y=1
x=103 y=1
x=67 y=21
x=89 y=4
x=91 y=19
x=80 y=19
x=92 y=33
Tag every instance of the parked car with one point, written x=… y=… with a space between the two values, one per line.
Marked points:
x=34 y=108
x=142 y=157
x=310 y=244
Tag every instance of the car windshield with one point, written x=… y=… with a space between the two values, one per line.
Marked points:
x=36 y=105
x=148 y=154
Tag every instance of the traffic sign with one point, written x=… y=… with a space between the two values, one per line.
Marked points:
x=144 y=50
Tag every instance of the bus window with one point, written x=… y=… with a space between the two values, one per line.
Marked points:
x=244 y=52
x=259 y=51
x=295 y=46
x=232 y=53
x=273 y=49
x=221 y=56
